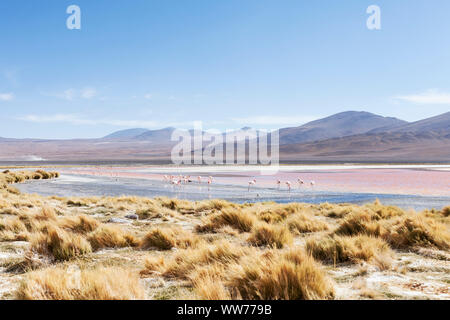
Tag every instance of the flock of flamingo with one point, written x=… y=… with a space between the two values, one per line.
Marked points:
x=289 y=185
x=180 y=179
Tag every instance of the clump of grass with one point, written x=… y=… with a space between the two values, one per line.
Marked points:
x=168 y=238
x=149 y=212
x=238 y=219
x=208 y=283
x=189 y=259
x=446 y=211
x=58 y=283
x=14 y=236
x=302 y=223
x=226 y=271
x=111 y=237
x=13 y=229
x=384 y=212
x=347 y=248
x=59 y=244
x=417 y=230
x=77 y=203
x=80 y=224
x=46 y=214
x=213 y=205
x=291 y=276
x=13 y=224
x=361 y=223
x=265 y=234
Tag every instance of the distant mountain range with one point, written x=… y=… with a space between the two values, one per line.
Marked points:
x=346 y=136
x=338 y=125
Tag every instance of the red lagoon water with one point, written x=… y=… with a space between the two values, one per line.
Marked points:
x=412 y=181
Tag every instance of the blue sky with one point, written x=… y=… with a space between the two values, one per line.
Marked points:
x=228 y=63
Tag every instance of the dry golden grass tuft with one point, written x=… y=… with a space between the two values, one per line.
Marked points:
x=239 y=219
x=361 y=223
x=275 y=212
x=107 y=236
x=80 y=224
x=224 y=271
x=347 y=248
x=302 y=223
x=13 y=229
x=418 y=230
x=96 y=284
x=184 y=261
x=59 y=244
x=446 y=211
x=208 y=284
x=13 y=224
x=265 y=234
x=168 y=238
x=46 y=214
x=290 y=276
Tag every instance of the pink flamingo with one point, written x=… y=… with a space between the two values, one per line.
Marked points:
x=199 y=179
x=209 y=182
x=288 y=183
x=278 y=183
x=312 y=183
x=251 y=183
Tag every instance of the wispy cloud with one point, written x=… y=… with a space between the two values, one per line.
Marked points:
x=88 y=93
x=71 y=94
x=75 y=119
x=431 y=96
x=148 y=96
x=6 y=96
x=268 y=120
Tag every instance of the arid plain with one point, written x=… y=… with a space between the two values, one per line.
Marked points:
x=139 y=248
